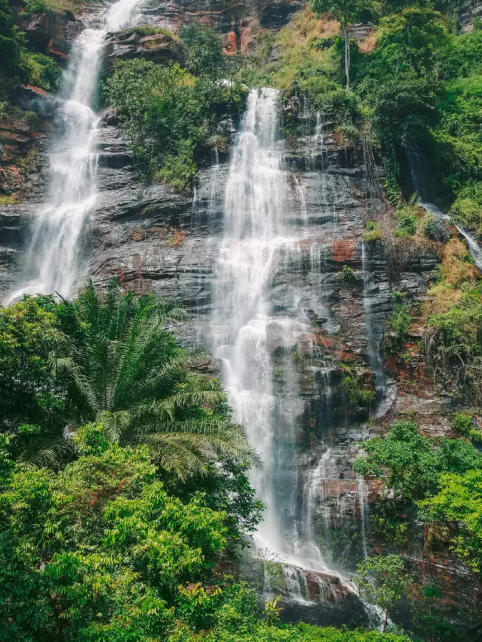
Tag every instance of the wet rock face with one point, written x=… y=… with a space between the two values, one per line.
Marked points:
x=468 y=11
x=158 y=48
x=50 y=32
x=23 y=143
x=307 y=595
x=233 y=20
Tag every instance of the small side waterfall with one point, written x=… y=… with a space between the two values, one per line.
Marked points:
x=56 y=257
x=474 y=248
x=417 y=165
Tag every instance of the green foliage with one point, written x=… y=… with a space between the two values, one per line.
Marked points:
x=382 y=579
x=100 y=551
x=28 y=395
x=204 y=53
x=387 y=523
x=428 y=622
x=272 y=611
x=457 y=140
x=407 y=223
x=169 y=116
x=411 y=464
x=399 y=324
x=35 y=6
x=125 y=371
x=252 y=631
x=99 y=548
x=463 y=423
x=359 y=394
x=179 y=170
x=17 y=63
x=467 y=207
x=347 y=275
x=459 y=505
x=10 y=41
x=40 y=70
x=373 y=232
x=347 y=12
x=454 y=346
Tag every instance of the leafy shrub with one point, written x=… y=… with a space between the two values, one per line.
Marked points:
x=169 y=116
x=383 y=580
x=458 y=505
x=35 y=6
x=411 y=464
x=399 y=324
x=347 y=275
x=467 y=207
x=373 y=233
x=10 y=40
x=453 y=344
x=40 y=70
x=179 y=171
x=407 y=222
x=204 y=53
x=358 y=394
x=347 y=134
x=463 y=423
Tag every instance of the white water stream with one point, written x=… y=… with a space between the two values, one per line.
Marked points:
x=474 y=248
x=245 y=332
x=56 y=257
x=255 y=202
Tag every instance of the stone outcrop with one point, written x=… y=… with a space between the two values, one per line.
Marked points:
x=49 y=32
x=23 y=141
x=159 y=48
x=468 y=11
x=234 y=20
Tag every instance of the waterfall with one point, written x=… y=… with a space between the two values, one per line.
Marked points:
x=245 y=331
x=417 y=163
x=474 y=248
x=56 y=258
x=254 y=203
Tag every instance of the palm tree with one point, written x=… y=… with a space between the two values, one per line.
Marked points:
x=126 y=371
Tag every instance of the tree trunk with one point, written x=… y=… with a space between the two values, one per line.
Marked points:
x=346 y=33
x=385 y=621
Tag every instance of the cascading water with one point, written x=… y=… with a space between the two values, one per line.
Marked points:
x=56 y=258
x=255 y=323
x=374 y=357
x=417 y=165
x=245 y=331
x=254 y=206
x=474 y=248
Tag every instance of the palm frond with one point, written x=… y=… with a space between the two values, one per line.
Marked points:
x=47 y=452
x=211 y=439
x=68 y=365
x=116 y=424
